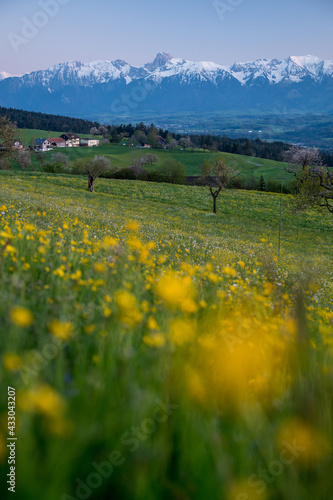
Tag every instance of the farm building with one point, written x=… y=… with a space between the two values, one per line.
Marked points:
x=57 y=142
x=72 y=140
x=42 y=145
x=88 y=142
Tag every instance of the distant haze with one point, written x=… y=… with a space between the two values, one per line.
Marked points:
x=37 y=34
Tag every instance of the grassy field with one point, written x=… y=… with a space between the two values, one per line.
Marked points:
x=122 y=156
x=158 y=351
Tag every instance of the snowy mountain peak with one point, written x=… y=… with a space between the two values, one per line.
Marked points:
x=4 y=75
x=160 y=61
x=293 y=69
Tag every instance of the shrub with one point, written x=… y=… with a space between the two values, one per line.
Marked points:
x=173 y=171
x=125 y=173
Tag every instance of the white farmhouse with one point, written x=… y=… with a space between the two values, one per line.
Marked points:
x=88 y=142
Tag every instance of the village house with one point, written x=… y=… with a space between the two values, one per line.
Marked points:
x=72 y=140
x=88 y=142
x=42 y=145
x=18 y=145
x=57 y=142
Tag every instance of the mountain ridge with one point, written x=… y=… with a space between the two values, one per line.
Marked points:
x=115 y=89
x=293 y=67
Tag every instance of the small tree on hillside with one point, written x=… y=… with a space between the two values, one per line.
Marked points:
x=8 y=136
x=94 y=131
x=148 y=159
x=60 y=158
x=139 y=137
x=152 y=138
x=24 y=159
x=262 y=183
x=216 y=176
x=185 y=142
x=95 y=168
x=103 y=130
x=313 y=180
x=173 y=171
x=301 y=158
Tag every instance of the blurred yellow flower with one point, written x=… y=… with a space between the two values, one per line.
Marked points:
x=133 y=226
x=99 y=267
x=307 y=444
x=22 y=317
x=110 y=242
x=213 y=278
x=60 y=329
x=128 y=310
x=152 y=323
x=230 y=271
x=107 y=312
x=42 y=399
x=182 y=331
x=174 y=290
x=155 y=340
x=12 y=361
x=195 y=385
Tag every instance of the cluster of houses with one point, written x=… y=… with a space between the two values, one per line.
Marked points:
x=64 y=141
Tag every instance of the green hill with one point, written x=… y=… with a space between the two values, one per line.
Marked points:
x=122 y=156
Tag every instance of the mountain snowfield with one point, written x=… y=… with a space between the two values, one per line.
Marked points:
x=105 y=89
x=293 y=69
x=4 y=75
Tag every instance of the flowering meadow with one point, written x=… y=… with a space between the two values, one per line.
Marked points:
x=158 y=351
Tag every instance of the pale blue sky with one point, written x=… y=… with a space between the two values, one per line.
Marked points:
x=135 y=30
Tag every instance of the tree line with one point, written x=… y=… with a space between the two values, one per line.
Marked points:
x=155 y=137
x=42 y=121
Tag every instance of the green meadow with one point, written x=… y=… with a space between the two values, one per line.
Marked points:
x=123 y=156
x=154 y=350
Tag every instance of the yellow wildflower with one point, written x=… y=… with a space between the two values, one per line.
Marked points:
x=133 y=226
x=43 y=400
x=182 y=331
x=173 y=290
x=12 y=361
x=312 y=445
x=155 y=340
x=21 y=316
x=62 y=330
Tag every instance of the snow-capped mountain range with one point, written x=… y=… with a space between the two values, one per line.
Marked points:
x=170 y=85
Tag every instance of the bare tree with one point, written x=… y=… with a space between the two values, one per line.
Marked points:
x=139 y=160
x=301 y=158
x=172 y=144
x=216 y=176
x=95 y=168
x=185 y=142
x=24 y=159
x=313 y=180
x=60 y=158
x=148 y=159
x=94 y=131
x=103 y=130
